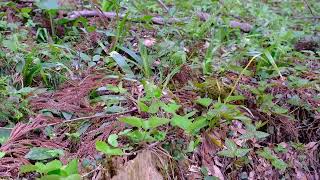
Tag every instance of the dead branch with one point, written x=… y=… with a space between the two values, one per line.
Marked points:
x=111 y=15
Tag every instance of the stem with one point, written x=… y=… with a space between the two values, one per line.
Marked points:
x=52 y=26
x=237 y=81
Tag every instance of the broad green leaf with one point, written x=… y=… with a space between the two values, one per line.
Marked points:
x=234 y=98
x=105 y=148
x=51 y=177
x=181 y=121
x=211 y=178
x=272 y=61
x=280 y=149
x=170 y=108
x=11 y=44
x=142 y=106
x=112 y=140
x=260 y=134
x=226 y=153
x=114 y=109
x=38 y=153
x=122 y=63
x=197 y=125
x=247 y=135
x=72 y=167
x=27 y=168
x=279 y=110
x=50 y=166
x=72 y=177
x=66 y=115
x=138 y=136
x=133 y=121
x=154 y=122
x=279 y=164
x=159 y=135
x=266 y=153
x=4 y=135
x=241 y=152
x=48 y=4
x=2 y=154
x=204 y=101
x=154 y=107
x=230 y=145
x=131 y=53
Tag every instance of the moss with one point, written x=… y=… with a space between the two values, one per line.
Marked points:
x=212 y=88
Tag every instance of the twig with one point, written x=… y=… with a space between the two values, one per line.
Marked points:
x=81 y=118
x=309 y=7
x=111 y=15
x=240 y=76
x=313 y=17
x=163 y=5
x=91 y=117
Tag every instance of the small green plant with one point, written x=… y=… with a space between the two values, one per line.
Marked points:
x=110 y=149
x=146 y=129
x=232 y=150
x=51 y=7
x=275 y=161
x=251 y=132
x=54 y=170
x=40 y=154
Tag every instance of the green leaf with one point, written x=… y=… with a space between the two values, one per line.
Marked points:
x=260 y=134
x=266 y=153
x=154 y=107
x=122 y=63
x=230 y=145
x=131 y=53
x=241 y=152
x=247 y=135
x=49 y=167
x=133 y=121
x=72 y=177
x=234 y=98
x=51 y=177
x=272 y=61
x=279 y=110
x=197 y=125
x=4 y=135
x=159 y=135
x=181 y=121
x=154 y=122
x=138 y=136
x=27 y=168
x=48 y=4
x=211 y=178
x=170 y=108
x=226 y=153
x=279 y=164
x=38 y=153
x=142 y=106
x=112 y=140
x=72 y=167
x=105 y=148
x=204 y=101
x=2 y=154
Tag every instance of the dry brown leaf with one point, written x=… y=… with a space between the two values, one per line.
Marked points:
x=149 y=42
x=245 y=27
x=140 y=168
x=217 y=172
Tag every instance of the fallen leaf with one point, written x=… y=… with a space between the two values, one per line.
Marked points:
x=245 y=27
x=140 y=168
x=149 y=42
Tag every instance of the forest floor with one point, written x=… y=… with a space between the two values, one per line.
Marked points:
x=172 y=89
